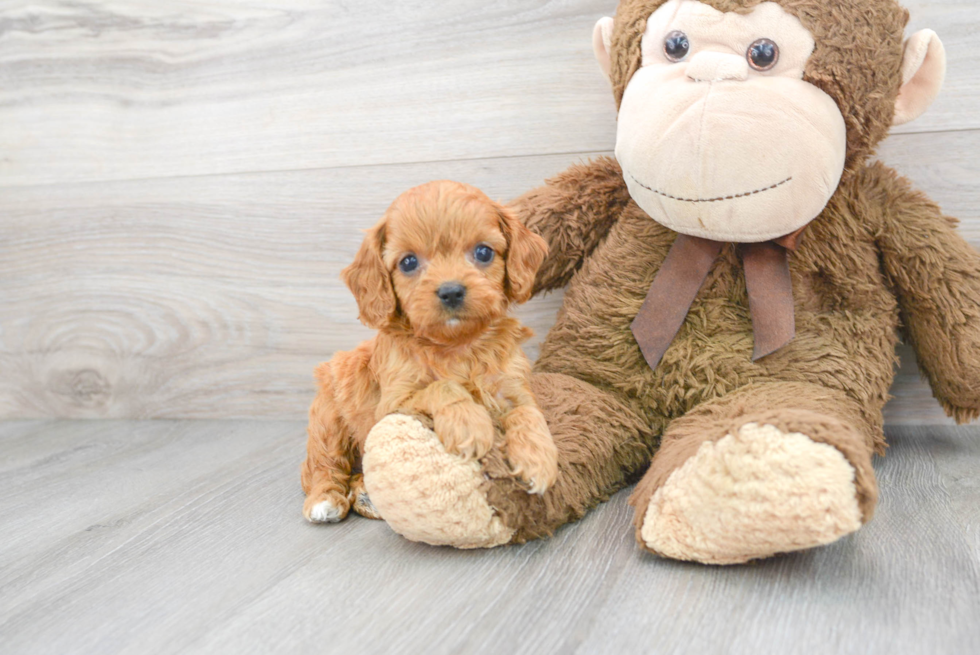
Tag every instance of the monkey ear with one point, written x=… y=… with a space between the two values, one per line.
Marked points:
x=923 y=72
x=525 y=254
x=369 y=281
x=602 y=43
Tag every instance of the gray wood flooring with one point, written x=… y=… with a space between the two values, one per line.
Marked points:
x=186 y=537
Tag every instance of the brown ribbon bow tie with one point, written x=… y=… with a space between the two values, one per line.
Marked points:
x=682 y=274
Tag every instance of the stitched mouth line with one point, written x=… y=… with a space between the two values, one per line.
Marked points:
x=718 y=199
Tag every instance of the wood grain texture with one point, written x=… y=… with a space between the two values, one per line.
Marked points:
x=138 y=88
x=186 y=536
x=198 y=297
x=181 y=182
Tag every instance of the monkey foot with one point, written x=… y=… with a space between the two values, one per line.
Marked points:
x=423 y=492
x=752 y=494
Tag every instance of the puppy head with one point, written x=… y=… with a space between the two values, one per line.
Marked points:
x=447 y=260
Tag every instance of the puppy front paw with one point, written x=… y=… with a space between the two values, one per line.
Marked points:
x=465 y=428
x=533 y=457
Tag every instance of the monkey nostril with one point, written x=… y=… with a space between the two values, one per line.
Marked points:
x=451 y=294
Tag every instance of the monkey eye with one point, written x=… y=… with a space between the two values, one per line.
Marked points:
x=483 y=253
x=408 y=263
x=676 y=46
x=763 y=54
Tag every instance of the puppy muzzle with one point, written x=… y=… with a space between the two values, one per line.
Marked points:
x=451 y=294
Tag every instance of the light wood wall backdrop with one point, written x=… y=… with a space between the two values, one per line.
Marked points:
x=181 y=182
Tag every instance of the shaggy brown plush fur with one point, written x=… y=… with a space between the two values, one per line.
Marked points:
x=880 y=260
x=600 y=435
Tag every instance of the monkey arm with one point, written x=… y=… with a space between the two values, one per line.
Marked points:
x=573 y=212
x=936 y=276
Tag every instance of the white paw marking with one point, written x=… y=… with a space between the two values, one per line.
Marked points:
x=325 y=512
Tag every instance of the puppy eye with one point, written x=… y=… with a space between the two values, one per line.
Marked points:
x=408 y=263
x=676 y=46
x=483 y=253
x=763 y=54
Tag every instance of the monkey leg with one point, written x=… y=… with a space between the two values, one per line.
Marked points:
x=425 y=494
x=770 y=468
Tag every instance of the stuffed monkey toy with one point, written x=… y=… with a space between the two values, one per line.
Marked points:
x=737 y=279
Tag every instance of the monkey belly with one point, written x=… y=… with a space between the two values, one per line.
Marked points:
x=846 y=347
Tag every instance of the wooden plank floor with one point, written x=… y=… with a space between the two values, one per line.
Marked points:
x=186 y=536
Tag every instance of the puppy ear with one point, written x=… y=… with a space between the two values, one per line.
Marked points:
x=368 y=280
x=525 y=254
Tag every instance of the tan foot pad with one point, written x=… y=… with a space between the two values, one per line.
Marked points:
x=424 y=493
x=751 y=495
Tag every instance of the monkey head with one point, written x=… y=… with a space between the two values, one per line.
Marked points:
x=738 y=118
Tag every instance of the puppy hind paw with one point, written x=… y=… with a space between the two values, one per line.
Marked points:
x=359 y=500
x=325 y=512
x=327 y=508
x=362 y=505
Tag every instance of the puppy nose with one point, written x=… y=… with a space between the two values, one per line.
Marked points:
x=451 y=294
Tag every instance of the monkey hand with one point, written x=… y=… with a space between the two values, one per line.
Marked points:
x=957 y=385
x=426 y=493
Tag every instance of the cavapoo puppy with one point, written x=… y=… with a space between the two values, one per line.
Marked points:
x=435 y=277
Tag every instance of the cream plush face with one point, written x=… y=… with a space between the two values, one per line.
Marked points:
x=712 y=147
